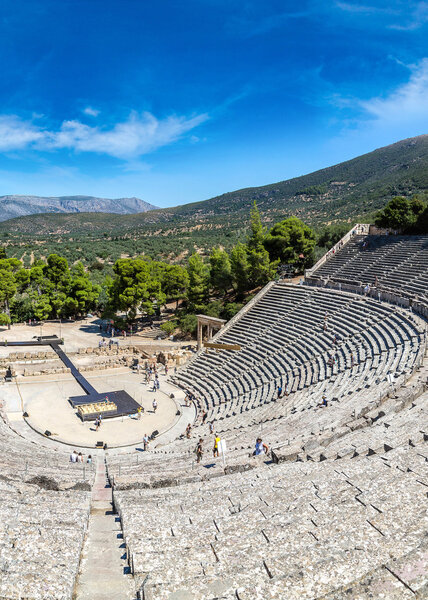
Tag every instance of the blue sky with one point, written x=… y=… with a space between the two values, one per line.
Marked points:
x=175 y=102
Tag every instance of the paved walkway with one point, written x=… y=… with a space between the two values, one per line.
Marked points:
x=103 y=573
x=80 y=334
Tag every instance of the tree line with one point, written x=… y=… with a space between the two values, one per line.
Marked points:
x=218 y=284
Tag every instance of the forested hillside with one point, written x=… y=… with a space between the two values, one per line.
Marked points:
x=345 y=193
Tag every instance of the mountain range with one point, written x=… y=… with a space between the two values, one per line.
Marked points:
x=347 y=191
x=19 y=206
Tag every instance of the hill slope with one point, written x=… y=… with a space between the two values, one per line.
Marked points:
x=18 y=206
x=341 y=192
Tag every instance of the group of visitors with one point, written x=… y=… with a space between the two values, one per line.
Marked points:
x=151 y=371
x=110 y=329
x=77 y=457
x=260 y=447
x=282 y=391
x=103 y=343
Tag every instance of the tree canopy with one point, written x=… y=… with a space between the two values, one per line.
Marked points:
x=407 y=215
x=291 y=242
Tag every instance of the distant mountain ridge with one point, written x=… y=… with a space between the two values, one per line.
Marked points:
x=19 y=206
x=344 y=192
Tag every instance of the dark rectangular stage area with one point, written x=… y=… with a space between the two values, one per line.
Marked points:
x=125 y=404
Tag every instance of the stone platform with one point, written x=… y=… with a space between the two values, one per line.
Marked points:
x=125 y=404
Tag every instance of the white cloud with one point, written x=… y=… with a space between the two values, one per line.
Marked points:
x=92 y=112
x=16 y=134
x=139 y=134
x=366 y=9
x=408 y=103
x=386 y=119
x=416 y=18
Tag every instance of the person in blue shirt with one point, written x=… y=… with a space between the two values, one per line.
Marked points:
x=261 y=447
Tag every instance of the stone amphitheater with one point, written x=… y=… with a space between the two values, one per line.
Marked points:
x=337 y=508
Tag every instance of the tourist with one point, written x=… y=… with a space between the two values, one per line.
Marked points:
x=279 y=391
x=199 y=450
x=139 y=411
x=261 y=447
x=204 y=417
x=154 y=404
x=323 y=402
x=216 y=443
x=97 y=424
x=89 y=460
x=166 y=369
x=80 y=457
x=188 y=430
x=211 y=426
x=73 y=456
x=146 y=442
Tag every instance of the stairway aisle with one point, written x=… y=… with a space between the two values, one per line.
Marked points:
x=103 y=572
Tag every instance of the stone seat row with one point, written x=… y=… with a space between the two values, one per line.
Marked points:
x=298 y=529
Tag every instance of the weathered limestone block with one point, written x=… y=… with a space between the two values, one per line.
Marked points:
x=287 y=453
x=358 y=424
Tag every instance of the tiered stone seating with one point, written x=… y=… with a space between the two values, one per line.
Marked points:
x=44 y=510
x=41 y=536
x=336 y=510
x=342 y=513
x=283 y=342
x=382 y=341
x=397 y=263
x=296 y=530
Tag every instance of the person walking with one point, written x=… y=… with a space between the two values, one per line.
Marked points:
x=145 y=442
x=211 y=426
x=204 y=417
x=155 y=405
x=188 y=430
x=199 y=450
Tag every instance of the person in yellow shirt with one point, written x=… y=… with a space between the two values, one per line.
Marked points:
x=216 y=443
